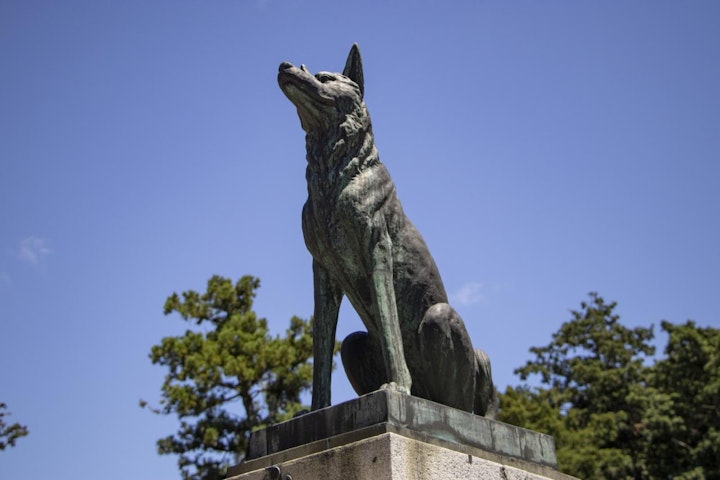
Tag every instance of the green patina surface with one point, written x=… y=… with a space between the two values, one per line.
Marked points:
x=392 y=411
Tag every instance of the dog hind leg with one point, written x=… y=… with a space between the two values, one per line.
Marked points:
x=362 y=359
x=450 y=366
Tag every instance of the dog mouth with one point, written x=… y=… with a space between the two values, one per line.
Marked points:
x=299 y=85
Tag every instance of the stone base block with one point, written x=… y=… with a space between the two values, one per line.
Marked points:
x=391 y=456
x=389 y=435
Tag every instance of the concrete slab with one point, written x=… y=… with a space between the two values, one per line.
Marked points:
x=390 y=456
x=388 y=411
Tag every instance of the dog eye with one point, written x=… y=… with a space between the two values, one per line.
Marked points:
x=324 y=77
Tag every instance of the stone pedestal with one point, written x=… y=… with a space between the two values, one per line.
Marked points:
x=389 y=435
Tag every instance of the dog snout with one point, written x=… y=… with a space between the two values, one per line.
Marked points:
x=285 y=66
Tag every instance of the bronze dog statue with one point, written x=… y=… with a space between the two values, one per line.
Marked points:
x=363 y=246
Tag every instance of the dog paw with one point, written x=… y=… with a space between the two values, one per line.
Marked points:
x=394 y=387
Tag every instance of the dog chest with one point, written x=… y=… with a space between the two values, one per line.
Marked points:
x=331 y=239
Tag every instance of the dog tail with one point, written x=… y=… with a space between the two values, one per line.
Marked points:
x=486 y=401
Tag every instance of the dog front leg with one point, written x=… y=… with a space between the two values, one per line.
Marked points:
x=388 y=322
x=327 y=305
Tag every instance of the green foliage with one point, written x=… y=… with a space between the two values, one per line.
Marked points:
x=227 y=376
x=614 y=416
x=9 y=433
x=538 y=409
x=688 y=445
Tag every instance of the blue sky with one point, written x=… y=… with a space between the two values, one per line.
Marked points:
x=544 y=149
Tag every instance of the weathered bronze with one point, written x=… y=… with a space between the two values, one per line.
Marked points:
x=363 y=246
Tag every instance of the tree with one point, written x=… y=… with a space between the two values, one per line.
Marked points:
x=9 y=433
x=227 y=376
x=688 y=446
x=612 y=414
x=592 y=367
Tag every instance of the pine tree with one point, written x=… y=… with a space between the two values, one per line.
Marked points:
x=227 y=376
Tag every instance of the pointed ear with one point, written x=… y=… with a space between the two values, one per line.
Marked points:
x=354 y=69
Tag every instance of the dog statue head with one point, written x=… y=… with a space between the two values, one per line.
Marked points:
x=324 y=100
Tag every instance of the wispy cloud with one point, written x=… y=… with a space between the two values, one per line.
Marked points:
x=470 y=294
x=33 y=249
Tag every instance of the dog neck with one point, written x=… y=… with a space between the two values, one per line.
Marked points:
x=337 y=154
